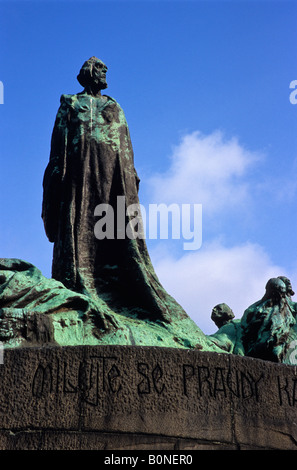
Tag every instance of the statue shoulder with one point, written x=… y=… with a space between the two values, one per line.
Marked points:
x=66 y=99
x=111 y=101
x=114 y=112
x=110 y=98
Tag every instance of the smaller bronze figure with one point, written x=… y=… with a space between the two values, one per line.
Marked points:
x=221 y=315
x=267 y=325
x=228 y=336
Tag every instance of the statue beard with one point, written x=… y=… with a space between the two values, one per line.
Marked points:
x=101 y=83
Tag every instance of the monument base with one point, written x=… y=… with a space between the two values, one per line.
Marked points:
x=144 y=398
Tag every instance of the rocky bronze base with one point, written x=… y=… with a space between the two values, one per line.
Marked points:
x=144 y=398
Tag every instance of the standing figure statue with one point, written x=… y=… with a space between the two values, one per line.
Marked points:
x=92 y=164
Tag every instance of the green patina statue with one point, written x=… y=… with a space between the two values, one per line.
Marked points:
x=91 y=165
x=104 y=289
x=267 y=329
x=228 y=336
x=116 y=295
x=268 y=326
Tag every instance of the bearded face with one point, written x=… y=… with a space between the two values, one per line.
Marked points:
x=98 y=74
x=93 y=73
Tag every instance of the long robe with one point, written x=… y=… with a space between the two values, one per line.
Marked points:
x=267 y=327
x=92 y=163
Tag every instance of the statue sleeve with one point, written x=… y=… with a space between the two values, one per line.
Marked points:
x=53 y=176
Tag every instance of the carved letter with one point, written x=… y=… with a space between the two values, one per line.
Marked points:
x=204 y=377
x=42 y=381
x=187 y=375
x=285 y=388
x=113 y=376
x=219 y=378
x=157 y=374
x=144 y=386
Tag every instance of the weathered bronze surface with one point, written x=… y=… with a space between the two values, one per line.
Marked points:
x=91 y=163
x=104 y=289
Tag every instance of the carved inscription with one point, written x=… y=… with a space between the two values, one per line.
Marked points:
x=152 y=378
x=93 y=379
x=212 y=382
x=42 y=381
x=89 y=379
x=287 y=390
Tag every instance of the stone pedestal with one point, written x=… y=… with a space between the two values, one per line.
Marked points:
x=144 y=398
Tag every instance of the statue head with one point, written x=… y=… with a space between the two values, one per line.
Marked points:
x=276 y=289
x=221 y=314
x=288 y=284
x=93 y=74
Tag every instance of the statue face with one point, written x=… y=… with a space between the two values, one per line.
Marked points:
x=276 y=289
x=99 y=70
x=288 y=285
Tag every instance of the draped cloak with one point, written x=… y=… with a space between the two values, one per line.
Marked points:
x=91 y=163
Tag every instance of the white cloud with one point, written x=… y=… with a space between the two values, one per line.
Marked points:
x=205 y=169
x=213 y=171
x=200 y=280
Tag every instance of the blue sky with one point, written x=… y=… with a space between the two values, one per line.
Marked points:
x=205 y=89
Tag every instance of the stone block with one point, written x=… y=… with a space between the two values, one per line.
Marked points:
x=131 y=397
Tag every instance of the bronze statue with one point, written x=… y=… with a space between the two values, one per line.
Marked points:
x=268 y=325
x=104 y=289
x=222 y=314
x=92 y=164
